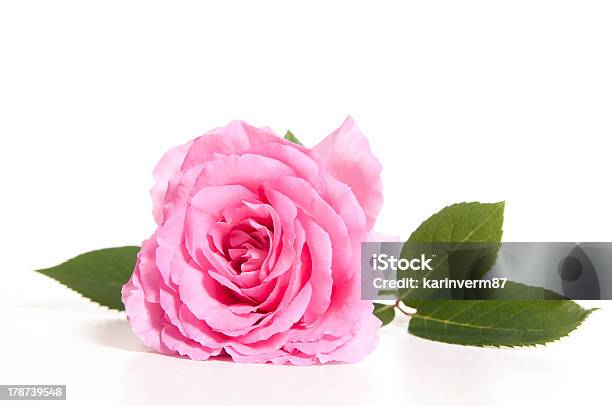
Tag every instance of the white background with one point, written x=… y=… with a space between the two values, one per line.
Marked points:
x=460 y=100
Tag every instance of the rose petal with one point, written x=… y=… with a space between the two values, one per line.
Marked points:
x=346 y=155
x=209 y=301
x=147 y=271
x=146 y=318
x=167 y=167
x=362 y=343
x=175 y=341
x=320 y=252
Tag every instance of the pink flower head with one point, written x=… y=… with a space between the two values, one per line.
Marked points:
x=257 y=250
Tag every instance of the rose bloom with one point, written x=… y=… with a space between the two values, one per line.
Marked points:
x=257 y=250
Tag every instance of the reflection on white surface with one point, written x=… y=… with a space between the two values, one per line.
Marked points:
x=156 y=380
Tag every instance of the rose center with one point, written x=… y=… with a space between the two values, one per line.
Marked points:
x=245 y=245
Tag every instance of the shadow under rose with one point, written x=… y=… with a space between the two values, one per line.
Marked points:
x=114 y=333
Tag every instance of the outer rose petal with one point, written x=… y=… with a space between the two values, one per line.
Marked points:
x=362 y=343
x=167 y=167
x=346 y=155
x=145 y=318
x=147 y=272
x=175 y=341
x=236 y=138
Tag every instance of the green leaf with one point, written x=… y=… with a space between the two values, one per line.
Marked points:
x=498 y=322
x=97 y=275
x=385 y=313
x=517 y=315
x=290 y=137
x=462 y=223
x=459 y=224
x=517 y=291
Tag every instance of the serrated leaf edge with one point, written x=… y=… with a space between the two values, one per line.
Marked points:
x=579 y=322
x=88 y=299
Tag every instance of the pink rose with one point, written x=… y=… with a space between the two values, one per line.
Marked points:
x=257 y=250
